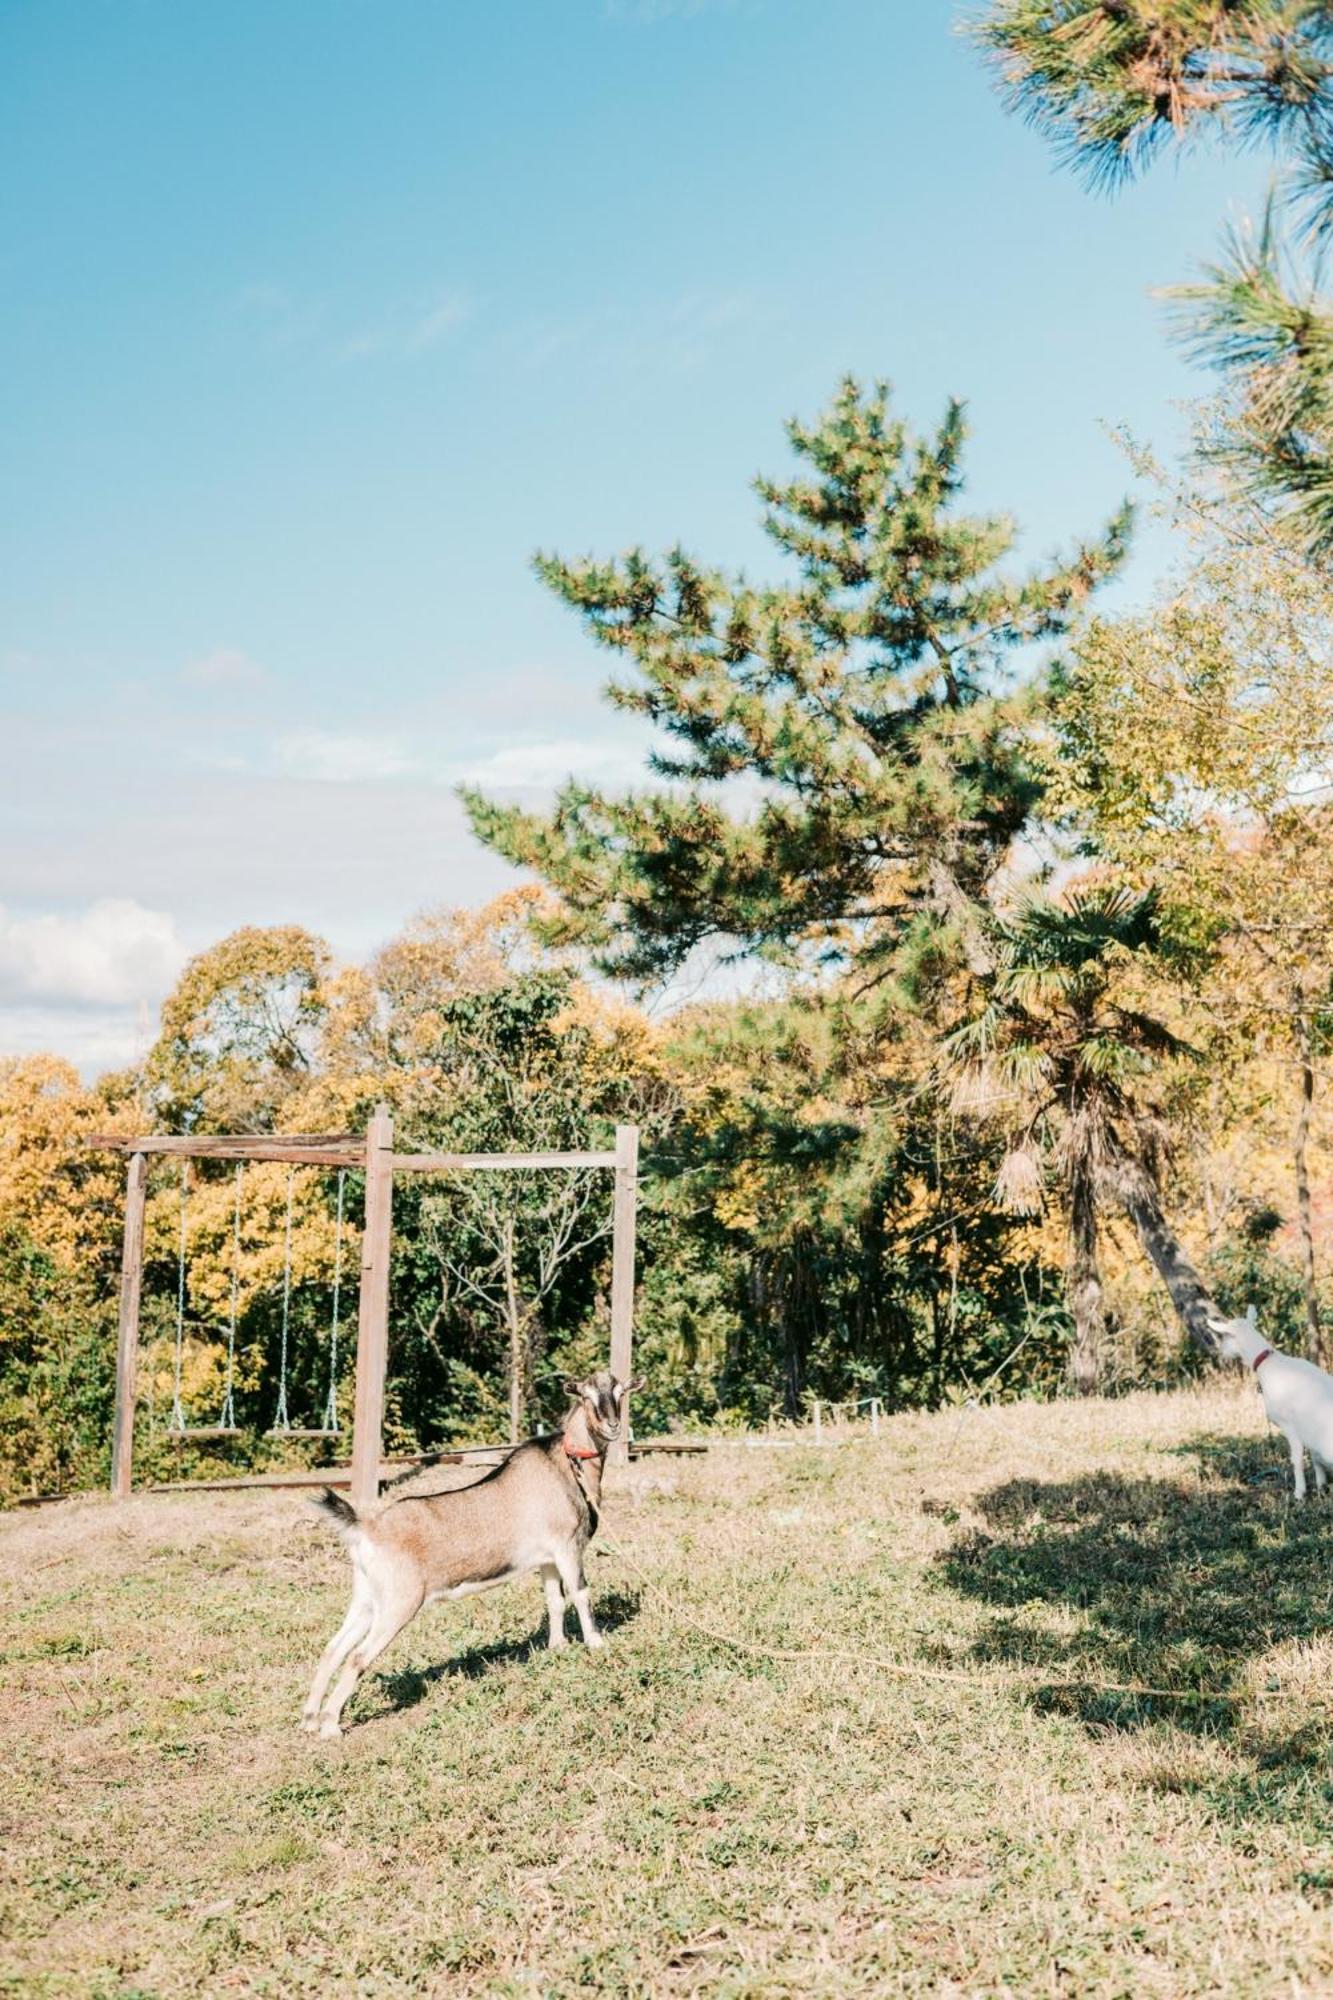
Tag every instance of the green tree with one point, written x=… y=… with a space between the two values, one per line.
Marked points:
x=1062 y=1052
x=529 y=1064
x=862 y=709
x=1113 y=84
x=57 y=1366
x=852 y=1218
x=1194 y=749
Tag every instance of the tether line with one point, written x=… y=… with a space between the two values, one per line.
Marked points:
x=955 y=1676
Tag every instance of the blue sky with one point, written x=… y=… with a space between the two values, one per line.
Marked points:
x=321 y=315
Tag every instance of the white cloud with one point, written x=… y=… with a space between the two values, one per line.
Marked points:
x=542 y=766
x=94 y=1041
x=225 y=668
x=678 y=333
x=285 y=319
x=281 y=317
x=326 y=757
x=347 y=759
x=111 y=954
x=650 y=11
x=410 y=331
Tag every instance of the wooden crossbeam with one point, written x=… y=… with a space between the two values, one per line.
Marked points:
x=454 y=1163
x=331 y=1149
x=298 y=1149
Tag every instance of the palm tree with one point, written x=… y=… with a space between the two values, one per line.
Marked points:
x=1062 y=1060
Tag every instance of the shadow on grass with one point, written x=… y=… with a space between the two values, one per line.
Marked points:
x=404 y=1687
x=1174 y=1583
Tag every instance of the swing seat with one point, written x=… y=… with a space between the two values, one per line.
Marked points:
x=203 y=1431
x=299 y=1431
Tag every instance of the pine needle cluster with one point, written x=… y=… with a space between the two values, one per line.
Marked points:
x=1113 y=82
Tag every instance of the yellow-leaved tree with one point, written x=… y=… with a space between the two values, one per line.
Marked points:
x=1193 y=749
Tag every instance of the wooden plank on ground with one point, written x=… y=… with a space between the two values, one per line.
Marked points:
x=298 y=1478
x=337 y=1476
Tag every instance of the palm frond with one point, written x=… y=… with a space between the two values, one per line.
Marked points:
x=1020 y=1181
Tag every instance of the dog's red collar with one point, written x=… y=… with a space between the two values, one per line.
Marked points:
x=571 y=1453
x=1260 y=1359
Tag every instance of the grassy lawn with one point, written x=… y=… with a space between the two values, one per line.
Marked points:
x=670 y=1816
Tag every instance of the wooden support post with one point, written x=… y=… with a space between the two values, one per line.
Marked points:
x=622 y=1272
x=874 y=1416
x=372 y=1342
x=127 y=1339
x=819 y=1421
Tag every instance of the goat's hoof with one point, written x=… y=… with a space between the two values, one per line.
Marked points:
x=330 y=1732
x=596 y=1641
x=309 y=1725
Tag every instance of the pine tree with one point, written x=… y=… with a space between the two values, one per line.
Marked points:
x=864 y=705
x=1113 y=84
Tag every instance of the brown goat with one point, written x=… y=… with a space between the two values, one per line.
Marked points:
x=536 y=1511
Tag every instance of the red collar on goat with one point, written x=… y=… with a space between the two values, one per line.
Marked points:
x=572 y=1451
x=1260 y=1359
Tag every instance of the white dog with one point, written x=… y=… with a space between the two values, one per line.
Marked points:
x=1298 y=1397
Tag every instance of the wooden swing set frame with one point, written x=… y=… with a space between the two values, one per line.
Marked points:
x=374 y=1155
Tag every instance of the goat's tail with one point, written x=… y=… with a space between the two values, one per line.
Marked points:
x=341 y=1513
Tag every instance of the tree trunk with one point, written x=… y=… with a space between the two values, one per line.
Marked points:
x=793 y=1373
x=1188 y=1293
x=1300 y=1144
x=514 y=1320
x=1084 y=1286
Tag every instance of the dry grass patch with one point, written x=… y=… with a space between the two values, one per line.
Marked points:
x=672 y=1816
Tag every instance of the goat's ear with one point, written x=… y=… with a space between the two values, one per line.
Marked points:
x=639 y=1382
x=571 y=1387
x=1217 y=1326
x=1252 y=1315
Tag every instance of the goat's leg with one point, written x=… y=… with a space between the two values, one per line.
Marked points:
x=390 y=1616
x=555 y=1606
x=354 y=1627
x=1320 y=1473
x=570 y=1566
x=1297 y=1463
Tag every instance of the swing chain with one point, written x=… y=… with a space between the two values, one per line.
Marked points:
x=227 y=1420
x=331 y=1405
x=281 y=1420
x=176 y=1421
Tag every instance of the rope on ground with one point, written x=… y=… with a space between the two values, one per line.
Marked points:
x=919 y=1670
